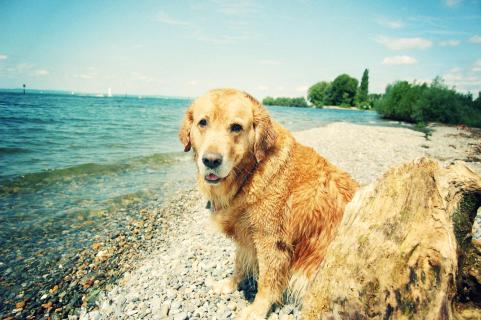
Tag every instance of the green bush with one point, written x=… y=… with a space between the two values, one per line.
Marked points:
x=422 y=103
x=373 y=98
x=284 y=101
x=364 y=105
x=342 y=91
x=317 y=93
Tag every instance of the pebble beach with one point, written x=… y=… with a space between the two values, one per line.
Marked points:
x=173 y=282
x=163 y=265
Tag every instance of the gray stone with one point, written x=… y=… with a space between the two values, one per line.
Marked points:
x=232 y=306
x=131 y=312
x=175 y=305
x=164 y=309
x=181 y=316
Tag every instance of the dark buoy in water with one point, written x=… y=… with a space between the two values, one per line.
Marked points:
x=24 y=88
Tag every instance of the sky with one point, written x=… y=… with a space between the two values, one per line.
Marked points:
x=268 y=48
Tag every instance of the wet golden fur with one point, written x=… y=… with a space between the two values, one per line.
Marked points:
x=281 y=202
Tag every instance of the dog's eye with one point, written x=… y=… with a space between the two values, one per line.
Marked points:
x=235 y=127
x=202 y=123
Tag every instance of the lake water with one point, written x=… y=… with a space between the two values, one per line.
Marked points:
x=71 y=166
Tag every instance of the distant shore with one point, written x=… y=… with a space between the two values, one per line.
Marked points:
x=342 y=108
x=170 y=278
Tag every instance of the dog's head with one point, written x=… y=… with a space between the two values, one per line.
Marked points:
x=225 y=127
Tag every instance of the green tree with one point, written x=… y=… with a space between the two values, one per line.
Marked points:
x=422 y=103
x=373 y=99
x=316 y=93
x=363 y=92
x=285 y=101
x=342 y=91
x=477 y=102
x=268 y=101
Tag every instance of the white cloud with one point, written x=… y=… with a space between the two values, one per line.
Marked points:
x=396 y=60
x=236 y=8
x=475 y=39
x=390 y=23
x=90 y=74
x=262 y=88
x=21 y=69
x=165 y=18
x=3 y=56
x=84 y=76
x=193 y=82
x=464 y=81
x=404 y=43
x=477 y=66
x=451 y=43
x=455 y=70
x=272 y=62
x=41 y=72
x=142 y=77
x=198 y=33
x=221 y=39
x=302 y=88
x=452 y=3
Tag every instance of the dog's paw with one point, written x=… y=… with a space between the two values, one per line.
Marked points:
x=251 y=313
x=224 y=286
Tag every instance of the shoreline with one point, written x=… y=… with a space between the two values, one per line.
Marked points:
x=341 y=108
x=98 y=267
x=162 y=264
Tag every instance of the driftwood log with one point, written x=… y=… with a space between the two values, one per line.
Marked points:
x=404 y=250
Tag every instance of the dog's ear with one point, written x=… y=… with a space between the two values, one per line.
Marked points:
x=265 y=135
x=184 y=132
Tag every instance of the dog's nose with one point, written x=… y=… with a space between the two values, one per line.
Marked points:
x=212 y=160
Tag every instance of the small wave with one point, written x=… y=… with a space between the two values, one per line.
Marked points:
x=44 y=178
x=12 y=150
x=26 y=120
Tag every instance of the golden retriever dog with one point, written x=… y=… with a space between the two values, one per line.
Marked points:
x=279 y=201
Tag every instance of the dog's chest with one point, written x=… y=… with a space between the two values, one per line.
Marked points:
x=234 y=223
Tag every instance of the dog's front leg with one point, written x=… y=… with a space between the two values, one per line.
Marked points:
x=245 y=264
x=274 y=258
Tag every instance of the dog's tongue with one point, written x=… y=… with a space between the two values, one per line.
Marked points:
x=212 y=177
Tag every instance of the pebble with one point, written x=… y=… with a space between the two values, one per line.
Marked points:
x=175 y=306
x=232 y=305
x=181 y=316
x=131 y=312
x=164 y=309
x=175 y=280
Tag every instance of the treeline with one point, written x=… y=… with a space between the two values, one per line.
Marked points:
x=343 y=91
x=412 y=102
x=284 y=101
x=423 y=103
